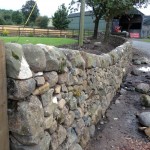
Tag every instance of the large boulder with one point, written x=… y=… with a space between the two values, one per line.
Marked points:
x=142 y=88
x=35 y=56
x=43 y=144
x=27 y=121
x=20 y=89
x=55 y=59
x=16 y=64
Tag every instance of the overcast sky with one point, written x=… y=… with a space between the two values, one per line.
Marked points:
x=46 y=7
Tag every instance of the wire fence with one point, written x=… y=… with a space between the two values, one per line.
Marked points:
x=7 y=30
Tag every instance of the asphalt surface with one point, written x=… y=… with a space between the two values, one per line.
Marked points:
x=143 y=46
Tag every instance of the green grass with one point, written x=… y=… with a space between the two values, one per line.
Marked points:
x=146 y=40
x=41 y=40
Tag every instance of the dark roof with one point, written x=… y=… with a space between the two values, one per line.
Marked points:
x=87 y=13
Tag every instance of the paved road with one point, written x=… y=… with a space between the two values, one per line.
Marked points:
x=144 y=46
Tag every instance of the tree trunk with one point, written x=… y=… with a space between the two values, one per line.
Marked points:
x=96 y=28
x=107 y=31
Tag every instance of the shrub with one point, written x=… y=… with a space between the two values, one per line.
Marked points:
x=5 y=32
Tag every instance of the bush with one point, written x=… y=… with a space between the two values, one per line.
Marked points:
x=5 y=32
x=42 y=21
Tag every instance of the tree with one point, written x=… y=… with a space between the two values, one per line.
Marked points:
x=17 y=17
x=2 y=21
x=26 y=10
x=60 y=18
x=42 y=21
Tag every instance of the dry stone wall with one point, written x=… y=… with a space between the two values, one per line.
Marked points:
x=56 y=96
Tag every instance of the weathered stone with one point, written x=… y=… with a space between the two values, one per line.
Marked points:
x=48 y=103
x=70 y=80
x=64 y=88
x=39 y=81
x=144 y=118
x=53 y=127
x=75 y=147
x=71 y=137
x=48 y=121
x=142 y=88
x=90 y=62
x=42 y=89
x=57 y=89
x=35 y=56
x=28 y=119
x=78 y=113
x=58 y=137
x=97 y=115
x=51 y=78
x=16 y=65
x=20 y=89
x=135 y=72
x=137 y=62
x=61 y=103
x=87 y=41
x=73 y=104
x=85 y=137
x=82 y=97
x=42 y=145
x=145 y=100
x=75 y=58
x=87 y=120
x=69 y=119
x=97 y=44
x=62 y=78
x=55 y=59
x=79 y=127
x=92 y=130
x=114 y=56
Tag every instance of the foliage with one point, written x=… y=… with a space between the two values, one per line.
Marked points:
x=42 y=21
x=2 y=21
x=42 y=40
x=26 y=10
x=17 y=17
x=60 y=18
x=5 y=32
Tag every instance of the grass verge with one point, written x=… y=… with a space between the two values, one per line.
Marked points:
x=39 y=40
x=146 y=40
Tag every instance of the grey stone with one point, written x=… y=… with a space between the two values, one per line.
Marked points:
x=92 y=130
x=40 y=81
x=43 y=144
x=144 y=118
x=53 y=127
x=64 y=88
x=142 y=88
x=87 y=41
x=73 y=104
x=57 y=89
x=28 y=119
x=62 y=78
x=20 y=89
x=75 y=147
x=16 y=64
x=75 y=58
x=55 y=59
x=137 y=62
x=58 y=137
x=51 y=78
x=69 y=119
x=71 y=137
x=35 y=56
x=123 y=91
x=97 y=44
x=87 y=120
x=135 y=72
x=49 y=105
x=145 y=100
x=48 y=121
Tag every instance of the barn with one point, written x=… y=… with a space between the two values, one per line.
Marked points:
x=134 y=22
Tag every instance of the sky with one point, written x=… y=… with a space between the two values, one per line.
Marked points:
x=46 y=7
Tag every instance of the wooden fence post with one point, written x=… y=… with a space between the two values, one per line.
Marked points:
x=4 y=140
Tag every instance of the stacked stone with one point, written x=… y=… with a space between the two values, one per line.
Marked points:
x=56 y=96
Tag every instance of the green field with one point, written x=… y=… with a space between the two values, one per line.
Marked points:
x=39 y=40
x=146 y=40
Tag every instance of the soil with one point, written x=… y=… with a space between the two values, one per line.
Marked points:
x=90 y=48
x=119 y=129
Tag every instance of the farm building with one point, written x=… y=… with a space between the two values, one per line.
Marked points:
x=134 y=22
x=88 y=21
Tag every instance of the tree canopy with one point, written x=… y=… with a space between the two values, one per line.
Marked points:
x=42 y=21
x=26 y=10
x=60 y=18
